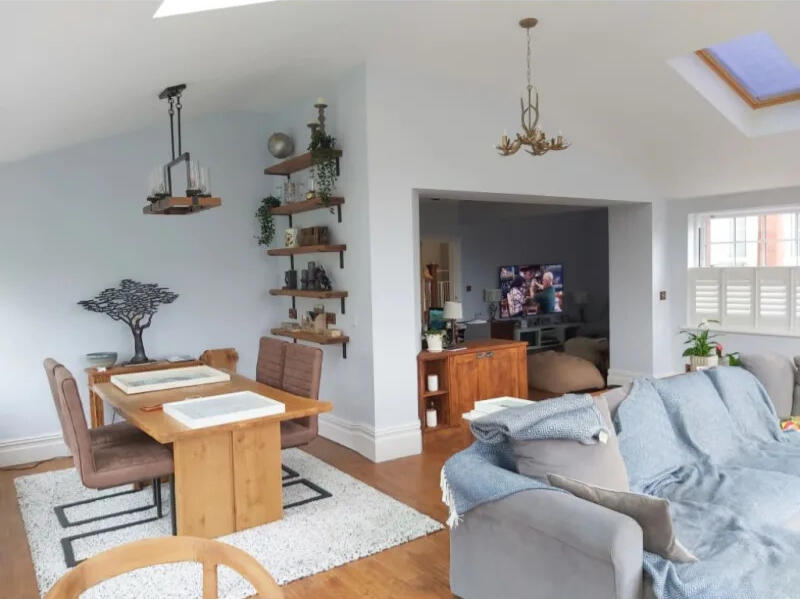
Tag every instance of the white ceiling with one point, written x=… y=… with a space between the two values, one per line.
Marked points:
x=78 y=70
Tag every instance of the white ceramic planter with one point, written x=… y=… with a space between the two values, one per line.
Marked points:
x=703 y=361
x=434 y=342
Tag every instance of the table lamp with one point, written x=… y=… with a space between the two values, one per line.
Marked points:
x=453 y=312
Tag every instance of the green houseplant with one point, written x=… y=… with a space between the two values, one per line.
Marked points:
x=434 y=338
x=701 y=350
x=264 y=216
x=323 y=164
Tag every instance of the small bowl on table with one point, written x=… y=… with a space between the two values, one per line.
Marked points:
x=102 y=359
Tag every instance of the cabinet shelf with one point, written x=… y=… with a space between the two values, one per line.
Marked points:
x=297 y=163
x=311 y=336
x=434 y=393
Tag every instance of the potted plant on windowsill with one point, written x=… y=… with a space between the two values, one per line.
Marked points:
x=433 y=338
x=702 y=351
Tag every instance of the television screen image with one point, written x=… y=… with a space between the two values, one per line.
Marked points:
x=529 y=289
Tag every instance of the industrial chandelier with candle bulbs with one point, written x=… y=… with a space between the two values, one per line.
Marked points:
x=535 y=140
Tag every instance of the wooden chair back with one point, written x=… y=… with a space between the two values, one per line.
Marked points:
x=166 y=550
x=226 y=358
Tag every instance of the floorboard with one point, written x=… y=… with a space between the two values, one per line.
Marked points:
x=417 y=569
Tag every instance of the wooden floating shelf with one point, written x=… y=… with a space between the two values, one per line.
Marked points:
x=302 y=335
x=306 y=206
x=177 y=205
x=309 y=293
x=307 y=249
x=296 y=163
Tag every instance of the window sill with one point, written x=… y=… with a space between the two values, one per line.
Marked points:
x=735 y=331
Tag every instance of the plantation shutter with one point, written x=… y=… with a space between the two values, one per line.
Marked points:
x=704 y=295
x=774 y=285
x=739 y=297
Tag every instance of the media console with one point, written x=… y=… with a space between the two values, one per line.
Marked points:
x=540 y=334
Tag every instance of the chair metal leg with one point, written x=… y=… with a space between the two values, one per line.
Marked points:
x=172 y=513
x=157 y=497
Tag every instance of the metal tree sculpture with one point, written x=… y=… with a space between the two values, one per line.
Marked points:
x=134 y=304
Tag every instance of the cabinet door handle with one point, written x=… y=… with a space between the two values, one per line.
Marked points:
x=489 y=354
x=481 y=355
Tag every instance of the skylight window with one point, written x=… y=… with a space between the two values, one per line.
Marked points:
x=756 y=68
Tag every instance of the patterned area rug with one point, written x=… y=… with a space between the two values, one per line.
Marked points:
x=329 y=519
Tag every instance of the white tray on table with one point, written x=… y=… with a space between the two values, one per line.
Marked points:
x=202 y=412
x=170 y=378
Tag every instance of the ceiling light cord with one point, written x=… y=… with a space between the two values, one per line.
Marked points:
x=528 y=33
x=171 y=112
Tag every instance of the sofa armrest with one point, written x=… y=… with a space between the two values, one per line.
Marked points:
x=544 y=544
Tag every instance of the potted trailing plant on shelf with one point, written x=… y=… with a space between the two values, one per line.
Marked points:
x=323 y=164
x=702 y=351
x=434 y=337
x=265 y=220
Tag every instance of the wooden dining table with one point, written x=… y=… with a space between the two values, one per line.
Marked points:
x=228 y=476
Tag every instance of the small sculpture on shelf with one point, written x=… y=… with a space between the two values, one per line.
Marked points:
x=322 y=281
x=134 y=304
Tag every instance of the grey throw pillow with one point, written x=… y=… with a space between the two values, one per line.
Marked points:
x=776 y=372
x=600 y=463
x=652 y=514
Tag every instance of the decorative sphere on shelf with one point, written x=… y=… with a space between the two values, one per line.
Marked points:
x=280 y=145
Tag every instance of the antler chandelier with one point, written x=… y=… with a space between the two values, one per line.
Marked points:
x=532 y=136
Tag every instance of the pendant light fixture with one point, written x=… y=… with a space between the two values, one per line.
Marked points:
x=532 y=136
x=160 y=184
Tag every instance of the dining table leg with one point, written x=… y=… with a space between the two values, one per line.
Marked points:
x=228 y=481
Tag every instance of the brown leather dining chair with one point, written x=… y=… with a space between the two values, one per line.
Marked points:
x=112 y=455
x=296 y=369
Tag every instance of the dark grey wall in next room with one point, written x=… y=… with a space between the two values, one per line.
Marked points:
x=492 y=234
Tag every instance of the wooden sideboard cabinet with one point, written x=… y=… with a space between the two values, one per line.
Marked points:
x=484 y=369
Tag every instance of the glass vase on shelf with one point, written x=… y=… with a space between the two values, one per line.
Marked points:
x=156 y=186
x=292 y=192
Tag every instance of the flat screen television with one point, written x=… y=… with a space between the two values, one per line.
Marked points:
x=528 y=289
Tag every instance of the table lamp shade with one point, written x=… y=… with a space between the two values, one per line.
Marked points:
x=453 y=311
x=492 y=295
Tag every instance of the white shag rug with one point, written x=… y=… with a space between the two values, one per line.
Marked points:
x=355 y=521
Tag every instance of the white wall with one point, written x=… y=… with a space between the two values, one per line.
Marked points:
x=630 y=258
x=428 y=132
x=578 y=240
x=72 y=225
x=349 y=383
x=677 y=229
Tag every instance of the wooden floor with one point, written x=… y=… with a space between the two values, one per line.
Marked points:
x=417 y=569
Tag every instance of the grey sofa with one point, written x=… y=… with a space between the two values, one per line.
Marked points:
x=536 y=545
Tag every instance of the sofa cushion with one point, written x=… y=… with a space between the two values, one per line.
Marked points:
x=777 y=373
x=649 y=446
x=616 y=396
x=601 y=463
x=651 y=513
x=559 y=373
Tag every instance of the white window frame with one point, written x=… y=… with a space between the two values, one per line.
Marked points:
x=744 y=299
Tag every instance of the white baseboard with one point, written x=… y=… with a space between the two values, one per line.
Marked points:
x=617 y=376
x=377 y=445
x=32 y=449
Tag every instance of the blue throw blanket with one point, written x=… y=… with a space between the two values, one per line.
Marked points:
x=710 y=443
x=486 y=471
